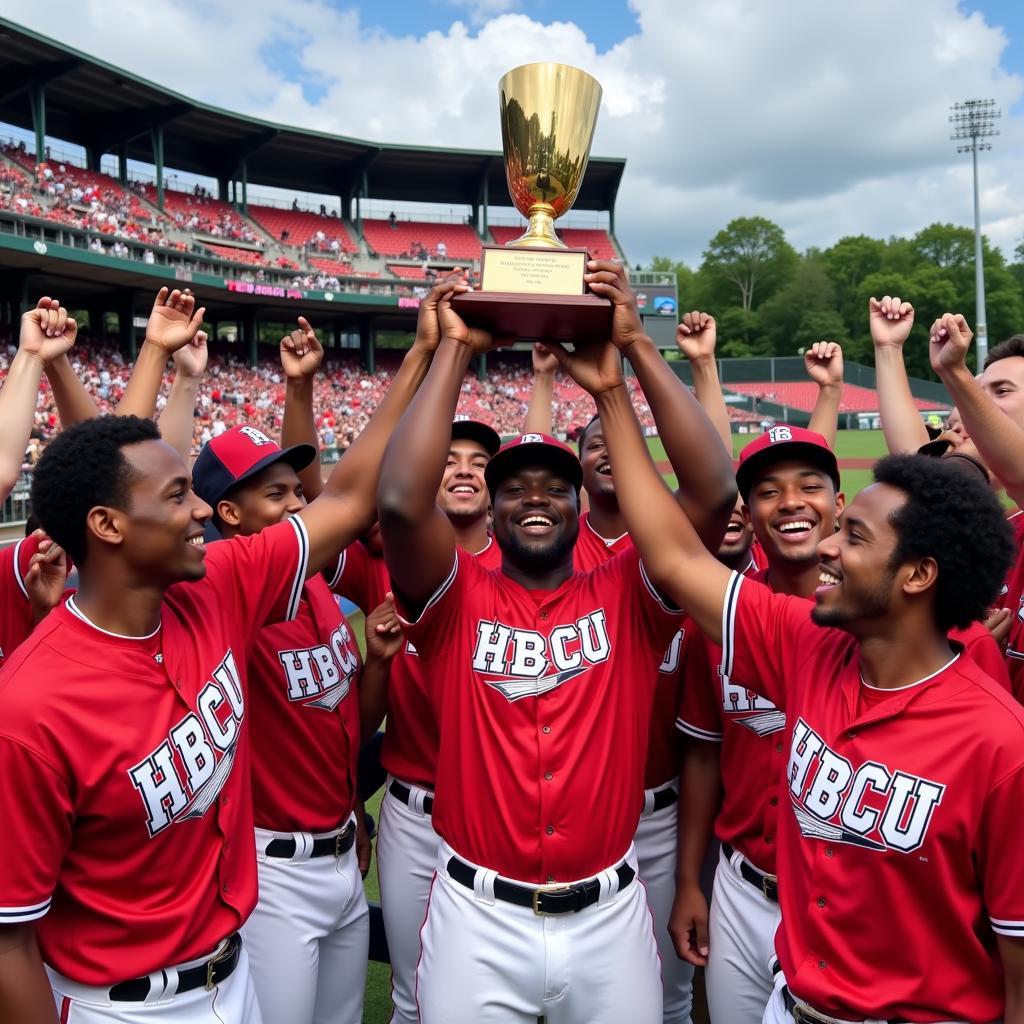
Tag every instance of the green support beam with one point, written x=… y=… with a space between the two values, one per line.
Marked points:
x=245 y=187
x=366 y=344
x=122 y=162
x=37 y=100
x=250 y=332
x=157 y=135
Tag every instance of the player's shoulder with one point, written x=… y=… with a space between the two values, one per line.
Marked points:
x=983 y=709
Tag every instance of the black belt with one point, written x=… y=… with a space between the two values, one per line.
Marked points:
x=664 y=798
x=768 y=884
x=206 y=975
x=332 y=846
x=402 y=792
x=544 y=900
x=804 y=1014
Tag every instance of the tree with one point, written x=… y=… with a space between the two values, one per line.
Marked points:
x=739 y=334
x=819 y=325
x=810 y=289
x=946 y=245
x=752 y=255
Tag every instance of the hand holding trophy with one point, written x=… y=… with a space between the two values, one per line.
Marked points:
x=533 y=288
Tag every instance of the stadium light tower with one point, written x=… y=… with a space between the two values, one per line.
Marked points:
x=973 y=121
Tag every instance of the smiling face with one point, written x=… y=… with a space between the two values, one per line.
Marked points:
x=536 y=518
x=1003 y=381
x=738 y=537
x=597 y=470
x=792 y=507
x=858 y=580
x=269 y=497
x=463 y=492
x=160 y=533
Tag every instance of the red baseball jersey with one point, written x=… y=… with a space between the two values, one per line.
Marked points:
x=409 y=751
x=901 y=830
x=544 y=700
x=15 y=611
x=664 y=749
x=129 y=835
x=304 y=715
x=752 y=732
x=593 y=550
x=1013 y=598
x=757 y=556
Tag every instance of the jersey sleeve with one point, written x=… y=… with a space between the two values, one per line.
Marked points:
x=984 y=652
x=36 y=829
x=1000 y=857
x=763 y=635
x=700 y=705
x=431 y=631
x=261 y=576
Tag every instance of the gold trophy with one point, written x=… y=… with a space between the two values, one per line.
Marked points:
x=533 y=287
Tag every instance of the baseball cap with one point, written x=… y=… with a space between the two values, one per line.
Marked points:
x=785 y=442
x=237 y=455
x=473 y=430
x=534 y=450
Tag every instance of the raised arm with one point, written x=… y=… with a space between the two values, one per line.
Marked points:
x=74 y=403
x=890 y=321
x=675 y=558
x=25 y=993
x=301 y=356
x=696 y=336
x=703 y=468
x=177 y=420
x=419 y=541
x=173 y=322
x=824 y=364
x=540 y=412
x=47 y=334
x=999 y=440
x=384 y=639
x=347 y=507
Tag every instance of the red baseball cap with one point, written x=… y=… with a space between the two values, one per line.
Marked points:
x=780 y=443
x=533 y=450
x=473 y=430
x=236 y=455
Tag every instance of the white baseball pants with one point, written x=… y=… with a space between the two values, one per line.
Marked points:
x=655 y=843
x=485 y=961
x=309 y=936
x=776 y=1012
x=741 y=946
x=232 y=1001
x=406 y=858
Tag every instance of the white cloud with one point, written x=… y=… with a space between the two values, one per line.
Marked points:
x=829 y=118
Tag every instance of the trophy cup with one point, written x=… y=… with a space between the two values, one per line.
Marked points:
x=533 y=287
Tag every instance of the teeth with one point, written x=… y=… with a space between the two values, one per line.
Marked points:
x=196 y=542
x=536 y=521
x=463 y=489
x=827 y=579
x=803 y=524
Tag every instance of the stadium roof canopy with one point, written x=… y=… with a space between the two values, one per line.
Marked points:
x=105 y=109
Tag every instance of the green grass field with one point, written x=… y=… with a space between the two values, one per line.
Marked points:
x=850 y=444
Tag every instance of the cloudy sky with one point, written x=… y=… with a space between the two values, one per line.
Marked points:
x=830 y=118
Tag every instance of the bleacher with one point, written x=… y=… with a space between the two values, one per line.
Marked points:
x=595 y=240
x=408 y=272
x=461 y=240
x=802 y=395
x=330 y=266
x=302 y=227
x=237 y=254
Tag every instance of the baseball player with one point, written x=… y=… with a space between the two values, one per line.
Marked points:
x=131 y=869
x=543 y=680
x=789 y=481
x=901 y=882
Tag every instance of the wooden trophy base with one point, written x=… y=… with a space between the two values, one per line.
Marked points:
x=535 y=294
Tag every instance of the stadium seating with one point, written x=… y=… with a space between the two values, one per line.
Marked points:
x=407 y=272
x=596 y=240
x=203 y=215
x=803 y=394
x=302 y=227
x=461 y=240
x=236 y=254
x=330 y=266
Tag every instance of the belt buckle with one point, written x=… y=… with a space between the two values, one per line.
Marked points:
x=805 y=1015
x=340 y=838
x=769 y=882
x=223 y=955
x=541 y=890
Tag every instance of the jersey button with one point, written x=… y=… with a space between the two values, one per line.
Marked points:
x=767 y=839
x=828 y=851
x=852 y=734
x=778 y=748
x=543 y=615
x=821 y=901
x=545 y=728
x=774 y=801
x=822 y=965
x=550 y=830
x=548 y=776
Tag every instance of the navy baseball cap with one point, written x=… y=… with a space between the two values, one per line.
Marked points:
x=238 y=454
x=780 y=443
x=533 y=450
x=464 y=428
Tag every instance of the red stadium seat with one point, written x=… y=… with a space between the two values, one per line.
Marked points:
x=302 y=227
x=461 y=240
x=803 y=394
x=596 y=240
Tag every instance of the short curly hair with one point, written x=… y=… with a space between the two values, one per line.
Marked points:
x=82 y=468
x=1013 y=346
x=952 y=516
